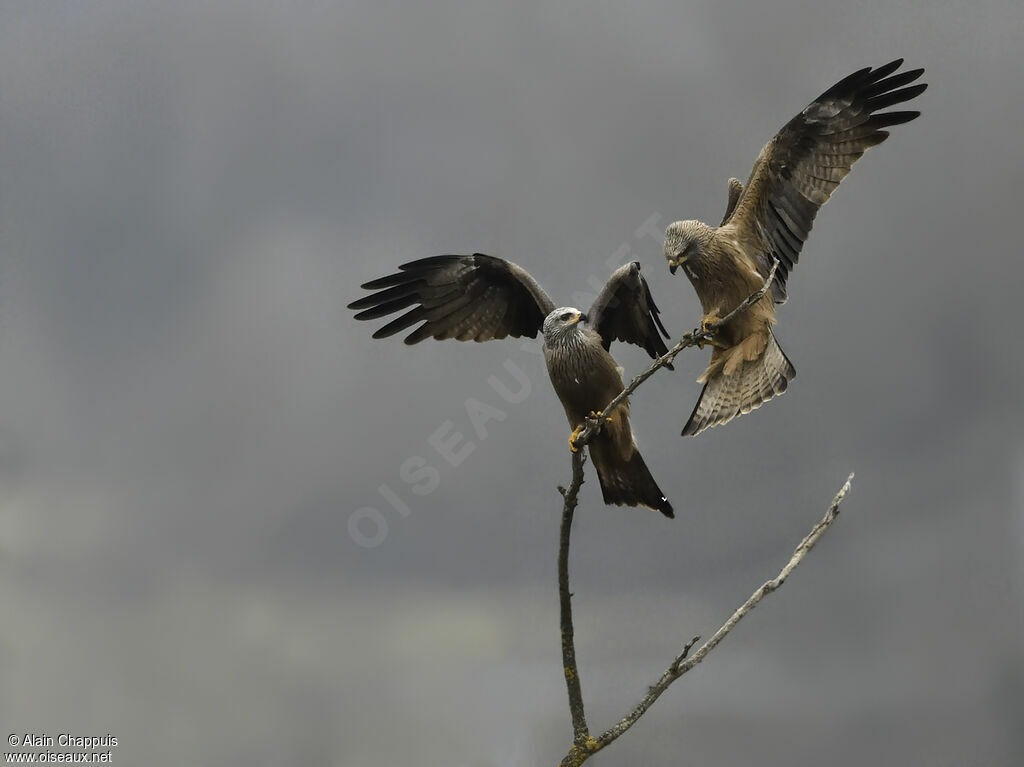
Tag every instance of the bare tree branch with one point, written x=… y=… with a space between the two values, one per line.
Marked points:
x=572 y=678
x=584 y=744
x=584 y=748
x=682 y=664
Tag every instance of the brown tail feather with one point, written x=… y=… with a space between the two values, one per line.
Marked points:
x=627 y=483
x=753 y=383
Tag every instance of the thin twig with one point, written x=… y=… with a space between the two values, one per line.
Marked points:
x=682 y=663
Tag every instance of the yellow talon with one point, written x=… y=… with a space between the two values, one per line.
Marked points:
x=705 y=327
x=600 y=414
x=573 y=436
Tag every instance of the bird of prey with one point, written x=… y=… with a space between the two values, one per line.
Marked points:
x=768 y=220
x=479 y=298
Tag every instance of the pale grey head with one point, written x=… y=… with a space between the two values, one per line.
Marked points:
x=563 y=325
x=686 y=241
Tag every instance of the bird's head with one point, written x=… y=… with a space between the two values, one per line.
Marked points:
x=561 y=323
x=685 y=241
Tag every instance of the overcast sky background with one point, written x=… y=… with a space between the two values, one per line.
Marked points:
x=191 y=192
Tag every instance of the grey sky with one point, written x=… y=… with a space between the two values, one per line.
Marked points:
x=190 y=193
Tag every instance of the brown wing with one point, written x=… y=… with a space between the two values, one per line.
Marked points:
x=469 y=298
x=625 y=311
x=798 y=170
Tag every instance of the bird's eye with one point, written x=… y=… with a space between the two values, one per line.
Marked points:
x=565 y=317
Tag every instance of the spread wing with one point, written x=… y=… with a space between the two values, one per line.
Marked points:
x=798 y=170
x=469 y=298
x=625 y=311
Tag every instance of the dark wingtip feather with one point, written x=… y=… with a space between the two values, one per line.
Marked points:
x=891 y=83
x=408 y=319
x=886 y=69
x=898 y=96
x=386 y=295
x=851 y=80
x=422 y=333
x=387 y=282
x=387 y=307
x=912 y=74
x=428 y=262
x=666 y=508
x=657 y=320
x=655 y=311
x=657 y=348
x=888 y=119
x=870 y=79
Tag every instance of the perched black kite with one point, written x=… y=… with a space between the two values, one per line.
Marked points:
x=478 y=298
x=769 y=220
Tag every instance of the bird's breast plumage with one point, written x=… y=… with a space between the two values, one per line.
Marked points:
x=726 y=274
x=583 y=374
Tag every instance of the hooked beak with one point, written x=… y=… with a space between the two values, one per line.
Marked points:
x=675 y=263
x=672 y=267
x=579 y=316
